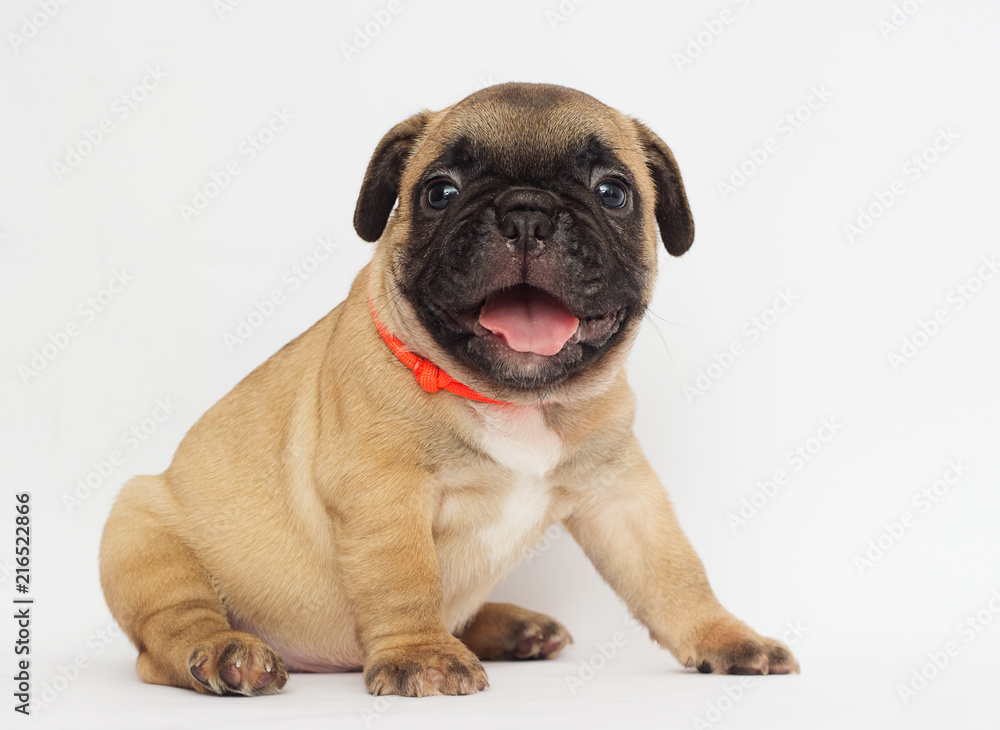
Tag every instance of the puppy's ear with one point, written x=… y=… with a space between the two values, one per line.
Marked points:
x=672 y=211
x=381 y=185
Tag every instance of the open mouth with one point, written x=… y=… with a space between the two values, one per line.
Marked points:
x=527 y=319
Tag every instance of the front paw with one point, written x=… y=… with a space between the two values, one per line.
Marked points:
x=420 y=668
x=728 y=646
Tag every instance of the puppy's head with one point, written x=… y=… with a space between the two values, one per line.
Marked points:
x=522 y=253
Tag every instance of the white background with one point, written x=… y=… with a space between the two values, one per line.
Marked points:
x=866 y=631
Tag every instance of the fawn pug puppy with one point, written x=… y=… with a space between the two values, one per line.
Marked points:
x=352 y=502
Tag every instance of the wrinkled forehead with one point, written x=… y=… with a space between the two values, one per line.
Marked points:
x=530 y=136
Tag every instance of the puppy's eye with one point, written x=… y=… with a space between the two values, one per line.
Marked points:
x=612 y=194
x=440 y=193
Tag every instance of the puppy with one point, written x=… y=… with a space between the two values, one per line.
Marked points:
x=353 y=501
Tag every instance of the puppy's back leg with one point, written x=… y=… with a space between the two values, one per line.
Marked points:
x=504 y=631
x=164 y=600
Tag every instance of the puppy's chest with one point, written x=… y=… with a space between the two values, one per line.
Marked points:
x=495 y=500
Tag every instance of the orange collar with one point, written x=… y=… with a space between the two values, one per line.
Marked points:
x=430 y=377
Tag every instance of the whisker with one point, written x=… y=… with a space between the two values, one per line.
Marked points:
x=649 y=319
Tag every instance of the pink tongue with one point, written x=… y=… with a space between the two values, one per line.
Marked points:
x=529 y=320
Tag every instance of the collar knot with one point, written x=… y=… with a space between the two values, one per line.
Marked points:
x=428 y=375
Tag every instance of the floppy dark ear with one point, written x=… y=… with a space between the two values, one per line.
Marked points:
x=672 y=211
x=381 y=185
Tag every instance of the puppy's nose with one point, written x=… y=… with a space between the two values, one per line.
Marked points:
x=527 y=230
x=525 y=220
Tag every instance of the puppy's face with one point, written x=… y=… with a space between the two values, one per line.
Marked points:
x=524 y=243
